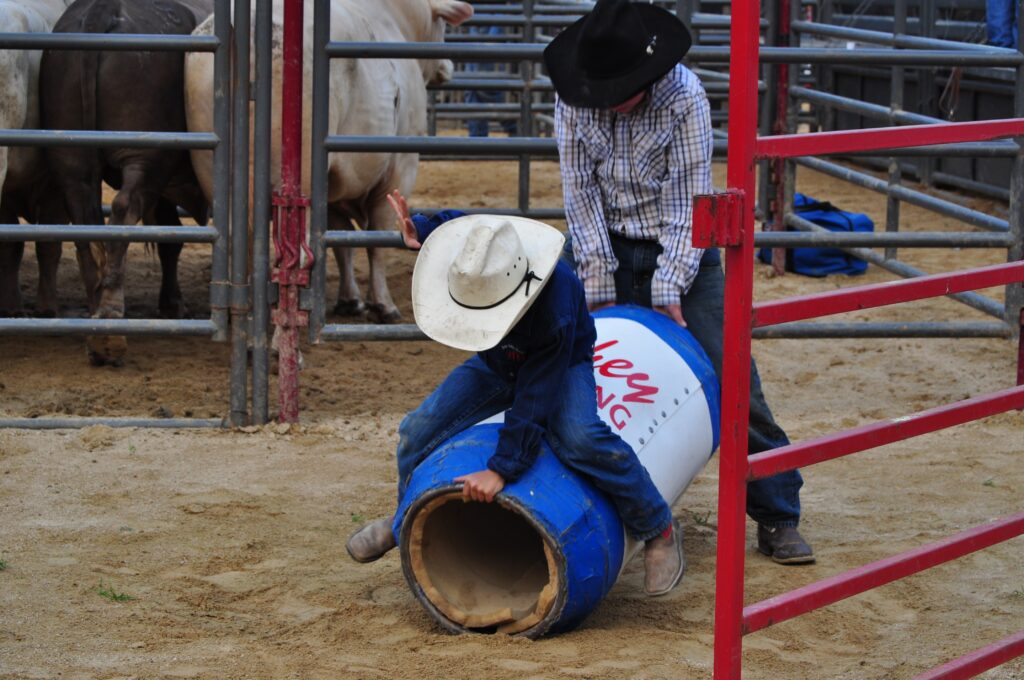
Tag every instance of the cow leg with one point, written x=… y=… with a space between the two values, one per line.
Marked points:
x=10 y=287
x=134 y=200
x=82 y=199
x=48 y=255
x=172 y=305
x=350 y=300
x=382 y=308
x=10 y=266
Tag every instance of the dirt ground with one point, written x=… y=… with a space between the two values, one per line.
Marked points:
x=230 y=543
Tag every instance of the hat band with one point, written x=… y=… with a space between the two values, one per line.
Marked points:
x=527 y=279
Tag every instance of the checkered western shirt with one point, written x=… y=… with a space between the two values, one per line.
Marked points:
x=635 y=175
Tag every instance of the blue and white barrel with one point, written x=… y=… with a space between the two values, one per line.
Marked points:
x=541 y=557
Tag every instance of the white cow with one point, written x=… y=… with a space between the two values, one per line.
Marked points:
x=368 y=97
x=22 y=169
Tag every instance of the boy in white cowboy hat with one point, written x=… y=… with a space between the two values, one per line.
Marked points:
x=633 y=127
x=495 y=285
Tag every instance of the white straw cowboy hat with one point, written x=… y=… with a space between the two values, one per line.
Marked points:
x=477 y=275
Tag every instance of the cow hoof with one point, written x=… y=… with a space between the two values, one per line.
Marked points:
x=13 y=313
x=350 y=308
x=381 y=314
x=107 y=350
x=46 y=313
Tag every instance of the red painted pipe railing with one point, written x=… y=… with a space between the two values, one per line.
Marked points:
x=739 y=286
x=293 y=258
x=979 y=661
x=727 y=220
x=882 y=294
x=881 y=433
x=873 y=139
x=856 y=581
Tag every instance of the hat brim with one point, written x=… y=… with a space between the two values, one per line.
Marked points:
x=475 y=330
x=576 y=89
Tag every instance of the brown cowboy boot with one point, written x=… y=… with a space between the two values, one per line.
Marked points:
x=372 y=541
x=784 y=545
x=664 y=562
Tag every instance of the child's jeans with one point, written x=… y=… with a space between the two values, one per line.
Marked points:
x=773 y=501
x=577 y=435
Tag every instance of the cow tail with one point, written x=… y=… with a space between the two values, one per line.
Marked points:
x=99 y=18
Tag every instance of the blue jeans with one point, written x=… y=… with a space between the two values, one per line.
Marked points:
x=1001 y=17
x=576 y=434
x=480 y=127
x=775 y=501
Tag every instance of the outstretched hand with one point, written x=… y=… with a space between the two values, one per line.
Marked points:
x=481 y=486
x=403 y=220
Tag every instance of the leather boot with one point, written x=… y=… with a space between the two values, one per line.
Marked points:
x=664 y=562
x=372 y=541
x=784 y=545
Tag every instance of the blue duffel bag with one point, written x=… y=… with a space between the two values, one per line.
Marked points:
x=823 y=261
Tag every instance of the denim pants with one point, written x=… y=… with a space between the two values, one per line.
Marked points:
x=576 y=434
x=775 y=501
x=1001 y=20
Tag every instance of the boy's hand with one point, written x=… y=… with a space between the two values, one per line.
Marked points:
x=481 y=486
x=404 y=221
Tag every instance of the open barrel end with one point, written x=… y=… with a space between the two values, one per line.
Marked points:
x=480 y=567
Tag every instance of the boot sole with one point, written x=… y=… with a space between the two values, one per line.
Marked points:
x=366 y=560
x=798 y=559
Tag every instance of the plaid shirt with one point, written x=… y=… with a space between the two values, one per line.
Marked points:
x=635 y=175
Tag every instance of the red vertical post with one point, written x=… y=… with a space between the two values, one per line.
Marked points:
x=293 y=259
x=739 y=285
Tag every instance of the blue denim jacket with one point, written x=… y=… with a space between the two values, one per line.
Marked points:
x=556 y=333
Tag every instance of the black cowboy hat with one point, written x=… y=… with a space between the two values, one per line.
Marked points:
x=615 y=51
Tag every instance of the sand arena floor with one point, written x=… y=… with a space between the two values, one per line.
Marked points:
x=231 y=543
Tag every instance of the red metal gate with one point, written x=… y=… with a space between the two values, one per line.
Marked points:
x=728 y=220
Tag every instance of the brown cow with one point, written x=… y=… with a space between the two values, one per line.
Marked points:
x=121 y=91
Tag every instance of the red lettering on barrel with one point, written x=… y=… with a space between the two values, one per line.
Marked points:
x=606 y=369
x=640 y=392
x=637 y=382
x=619 y=424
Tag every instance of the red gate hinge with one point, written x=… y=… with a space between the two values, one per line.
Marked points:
x=718 y=219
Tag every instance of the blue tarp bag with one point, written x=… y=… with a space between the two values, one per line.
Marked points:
x=823 y=261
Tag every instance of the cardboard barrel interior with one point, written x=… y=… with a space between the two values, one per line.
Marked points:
x=544 y=554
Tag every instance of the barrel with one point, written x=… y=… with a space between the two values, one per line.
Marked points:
x=541 y=557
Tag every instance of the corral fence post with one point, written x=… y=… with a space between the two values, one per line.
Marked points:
x=261 y=212
x=293 y=258
x=240 y=291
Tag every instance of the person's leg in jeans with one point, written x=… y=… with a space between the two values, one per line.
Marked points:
x=585 y=444
x=470 y=393
x=774 y=503
x=1001 y=19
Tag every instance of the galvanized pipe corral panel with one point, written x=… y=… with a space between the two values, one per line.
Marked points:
x=544 y=554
